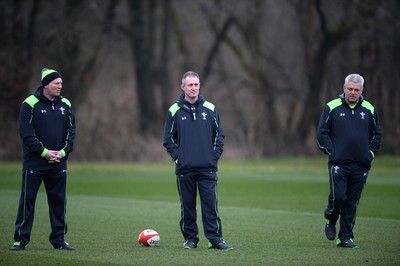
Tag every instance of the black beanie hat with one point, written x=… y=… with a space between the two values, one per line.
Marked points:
x=48 y=75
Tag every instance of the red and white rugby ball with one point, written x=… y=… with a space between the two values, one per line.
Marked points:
x=149 y=238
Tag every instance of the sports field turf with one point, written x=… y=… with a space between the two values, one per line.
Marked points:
x=271 y=213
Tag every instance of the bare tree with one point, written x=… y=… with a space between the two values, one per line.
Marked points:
x=142 y=32
x=319 y=39
x=76 y=53
x=272 y=66
x=37 y=36
x=18 y=35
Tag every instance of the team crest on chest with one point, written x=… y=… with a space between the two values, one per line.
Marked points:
x=62 y=109
x=204 y=115
x=362 y=115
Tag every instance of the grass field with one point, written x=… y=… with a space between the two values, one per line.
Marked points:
x=271 y=213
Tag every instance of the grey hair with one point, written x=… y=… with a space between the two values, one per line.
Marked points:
x=355 y=78
x=189 y=74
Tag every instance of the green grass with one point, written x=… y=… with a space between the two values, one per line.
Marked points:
x=271 y=213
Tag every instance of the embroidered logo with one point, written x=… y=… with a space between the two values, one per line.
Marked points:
x=204 y=115
x=336 y=168
x=342 y=114
x=362 y=115
x=62 y=109
x=43 y=111
x=184 y=118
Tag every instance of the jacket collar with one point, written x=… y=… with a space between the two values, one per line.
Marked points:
x=186 y=105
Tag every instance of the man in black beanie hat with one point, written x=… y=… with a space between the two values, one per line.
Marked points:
x=47 y=131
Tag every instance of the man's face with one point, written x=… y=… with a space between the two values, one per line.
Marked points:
x=352 y=92
x=191 y=88
x=53 y=89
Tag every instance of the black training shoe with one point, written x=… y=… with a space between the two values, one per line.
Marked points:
x=17 y=247
x=65 y=246
x=189 y=244
x=348 y=243
x=330 y=230
x=221 y=245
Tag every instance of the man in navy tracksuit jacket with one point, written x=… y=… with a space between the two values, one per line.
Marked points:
x=350 y=134
x=194 y=138
x=47 y=131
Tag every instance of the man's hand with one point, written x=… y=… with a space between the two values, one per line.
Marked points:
x=53 y=156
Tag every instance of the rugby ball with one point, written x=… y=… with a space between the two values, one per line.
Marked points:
x=149 y=238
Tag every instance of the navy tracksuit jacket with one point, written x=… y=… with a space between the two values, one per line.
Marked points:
x=194 y=138
x=351 y=137
x=44 y=125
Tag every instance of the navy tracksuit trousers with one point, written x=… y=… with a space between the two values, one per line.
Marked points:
x=346 y=185
x=55 y=184
x=206 y=183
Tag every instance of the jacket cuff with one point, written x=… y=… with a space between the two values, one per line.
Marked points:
x=44 y=152
x=63 y=153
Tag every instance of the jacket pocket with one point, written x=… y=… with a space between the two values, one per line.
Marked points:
x=371 y=156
